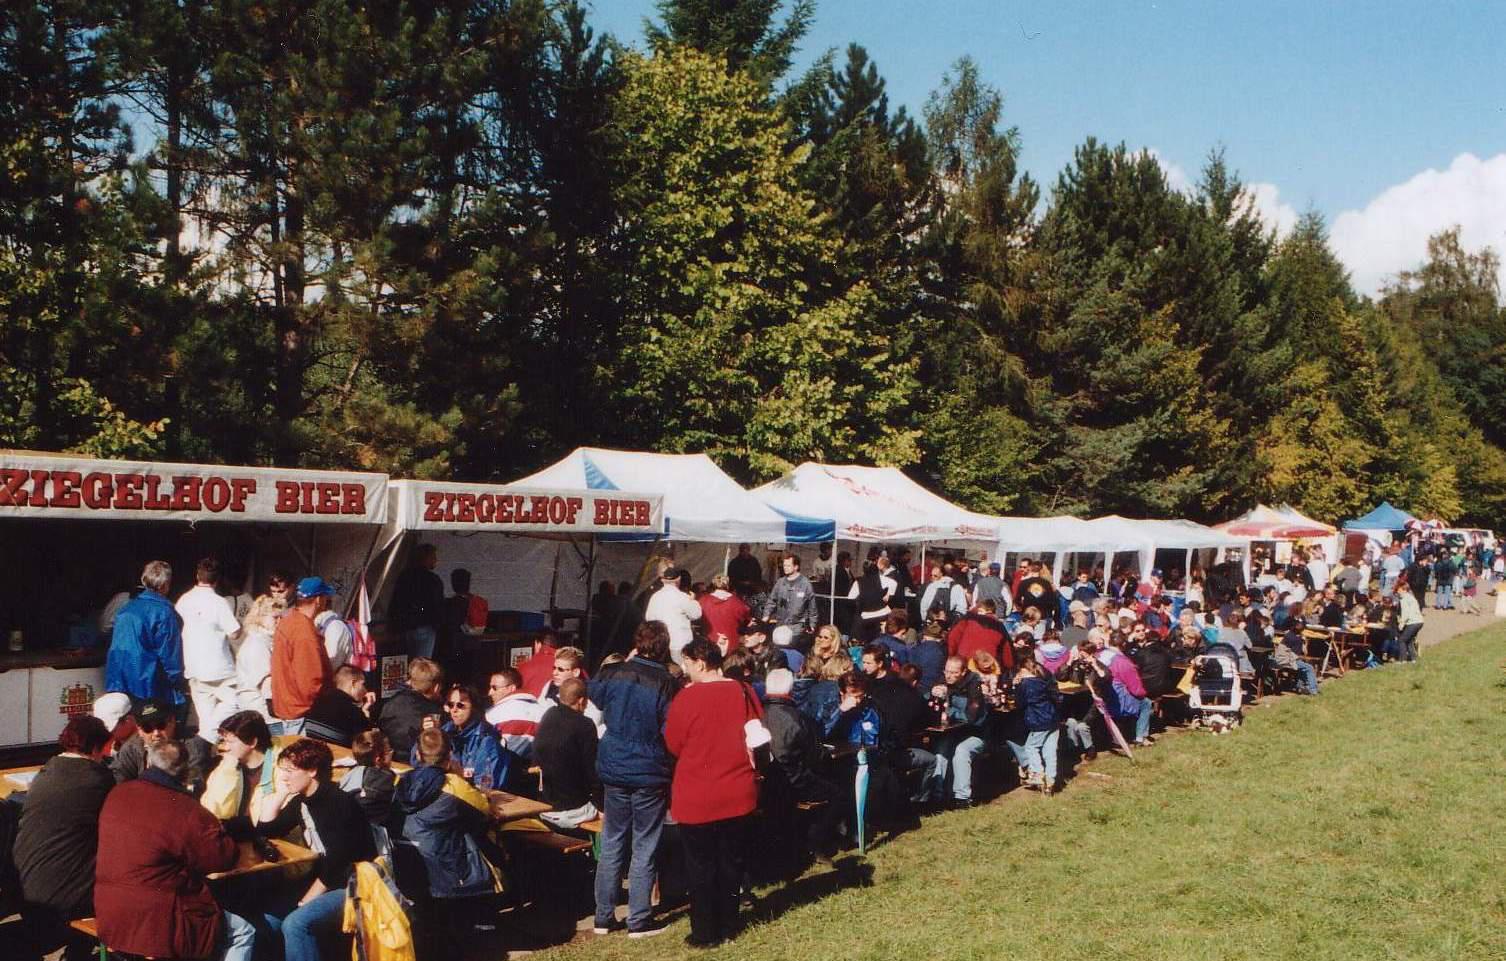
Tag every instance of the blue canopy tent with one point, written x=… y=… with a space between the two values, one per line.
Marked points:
x=1383 y=518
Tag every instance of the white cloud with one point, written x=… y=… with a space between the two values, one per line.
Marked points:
x=1391 y=234
x=1176 y=174
x=1271 y=208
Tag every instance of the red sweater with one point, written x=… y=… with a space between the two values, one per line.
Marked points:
x=714 y=778
x=976 y=632
x=724 y=616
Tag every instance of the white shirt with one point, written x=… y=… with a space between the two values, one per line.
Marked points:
x=1318 y=568
x=676 y=610
x=337 y=638
x=1392 y=565
x=208 y=622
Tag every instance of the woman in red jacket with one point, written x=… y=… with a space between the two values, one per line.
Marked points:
x=714 y=789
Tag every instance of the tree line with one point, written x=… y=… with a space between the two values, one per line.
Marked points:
x=461 y=238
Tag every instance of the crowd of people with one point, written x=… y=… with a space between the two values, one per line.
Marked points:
x=733 y=711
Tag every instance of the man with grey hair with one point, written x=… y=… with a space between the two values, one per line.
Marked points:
x=796 y=749
x=157 y=845
x=146 y=648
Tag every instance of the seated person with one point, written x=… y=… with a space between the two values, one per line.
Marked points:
x=818 y=690
x=893 y=637
x=156 y=846
x=964 y=710
x=979 y=630
x=154 y=725
x=514 y=712
x=904 y=713
x=334 y=825
x=59 y=832
x=1233 y=634
x=342 y=709
x=796 y=751
x=244 y=775
x=474 y=743
x=444 y=817
x=1288 y=654
x=565 y=751
x=372 y=780
x=401 y=716
x=930 y=654
x=1331 y=613
x=1035 y=688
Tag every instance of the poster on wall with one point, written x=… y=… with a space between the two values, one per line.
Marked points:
x=394 y=668
x=57 y=486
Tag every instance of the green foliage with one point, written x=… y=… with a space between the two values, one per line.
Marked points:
x=461 y=238
x=733 y=342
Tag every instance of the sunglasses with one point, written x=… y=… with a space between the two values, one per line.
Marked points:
x=457 y=704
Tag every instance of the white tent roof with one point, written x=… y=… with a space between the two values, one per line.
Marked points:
x=1064 y=534
x=1172 y=535
x=701 y=503
x=874 y=504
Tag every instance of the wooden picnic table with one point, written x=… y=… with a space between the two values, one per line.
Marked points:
x=250 y=862
x=21 y=783
x=510 y=807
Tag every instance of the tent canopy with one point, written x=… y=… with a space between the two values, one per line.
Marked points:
x=1274 y=524
x=1066 y=535
x=1175 y=535
x=701 y=503
x=874 y=504
x=1383 y=518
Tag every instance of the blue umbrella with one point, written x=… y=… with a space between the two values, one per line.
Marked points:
x=860 y=789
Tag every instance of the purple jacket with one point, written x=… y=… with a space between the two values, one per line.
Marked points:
x=1123 y=670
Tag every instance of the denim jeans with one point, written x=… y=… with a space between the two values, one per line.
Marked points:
x=962 y=766
x=237 y=939
x=933 y=774
x=1079 y=734
x=1309 y=677
x=1038 y=754
x=303 y=927
x=632 y=819
x=1142 y=721
x=1406 y=643
x=1443 y=596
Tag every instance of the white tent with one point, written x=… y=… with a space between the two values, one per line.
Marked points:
x=701 y=503
x=874 y=504
x=1178 y=535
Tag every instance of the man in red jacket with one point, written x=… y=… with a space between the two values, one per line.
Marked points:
x=300 y=664
x=980 y=630
x=156 y=844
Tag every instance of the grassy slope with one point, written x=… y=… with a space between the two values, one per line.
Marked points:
x=1365 y=823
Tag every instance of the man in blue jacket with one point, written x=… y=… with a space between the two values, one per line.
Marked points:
x=635 y=769
x=146 y=648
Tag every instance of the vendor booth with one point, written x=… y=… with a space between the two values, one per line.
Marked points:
x=77 y=531
x=1273 y=532
x=876 y=505
x=546 y=569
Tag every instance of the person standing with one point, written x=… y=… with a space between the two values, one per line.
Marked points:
x=156 y=847
x=715 y=788
x=745 y=571
x=792 y=602
x=208 y=623
x=418 y=603
x=1409 y=623
x=724 y=613
x=253 y=662
x=634 y=768
x=675 y=609
x=300 y=664
x=146 y=645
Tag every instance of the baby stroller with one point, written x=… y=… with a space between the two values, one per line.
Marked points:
x=1217 y=698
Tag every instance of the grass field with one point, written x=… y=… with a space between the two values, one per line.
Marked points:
x=1366 y=823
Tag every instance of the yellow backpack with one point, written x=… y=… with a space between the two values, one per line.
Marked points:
x=376 y=913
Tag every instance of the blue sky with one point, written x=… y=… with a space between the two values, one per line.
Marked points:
x=1385 y=117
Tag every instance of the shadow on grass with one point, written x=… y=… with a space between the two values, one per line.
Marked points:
x=849 y=871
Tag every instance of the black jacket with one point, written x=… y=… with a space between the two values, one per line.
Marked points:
x=59 y=832
x=401 y=717
x=902 y=707
x=565 y=751
x=1154 y=663
x=794 y=745
x=965 y=701
x=417 y=600
x=344 y=832
x=339 y=715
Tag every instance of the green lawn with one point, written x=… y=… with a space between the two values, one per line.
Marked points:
x=1366 y=823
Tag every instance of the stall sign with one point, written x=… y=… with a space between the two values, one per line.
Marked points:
x=394 y=670
x=33 y=485
x=423 y=505
x=76 y=700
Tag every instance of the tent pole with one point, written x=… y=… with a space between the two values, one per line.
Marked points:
x=836 y=544
x=1187 y=571
x=590 y=607
x=726 y=557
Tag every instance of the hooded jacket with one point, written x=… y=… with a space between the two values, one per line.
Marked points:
x=146 y=650
x=442 y=818
x=634 y=699
x=478 y=747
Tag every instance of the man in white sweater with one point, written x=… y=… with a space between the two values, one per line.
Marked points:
x=209 y=665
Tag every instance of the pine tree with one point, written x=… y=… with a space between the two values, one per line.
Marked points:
x=743 y=33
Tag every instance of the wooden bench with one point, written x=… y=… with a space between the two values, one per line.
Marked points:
x=809 y=805
x=88 y=927
x=1159 y=708
x=593 y=826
